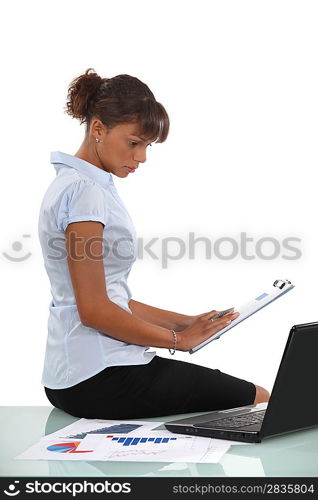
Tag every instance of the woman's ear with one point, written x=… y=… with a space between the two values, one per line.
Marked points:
x=97 y=128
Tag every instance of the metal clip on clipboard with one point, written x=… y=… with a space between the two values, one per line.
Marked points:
x=281 y=283
x=280 y=288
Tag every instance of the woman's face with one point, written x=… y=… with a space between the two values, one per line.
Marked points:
x=120 y=149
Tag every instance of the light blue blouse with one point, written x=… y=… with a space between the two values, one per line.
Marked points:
x=81 y=192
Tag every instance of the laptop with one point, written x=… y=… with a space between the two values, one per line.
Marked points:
x=293 y=404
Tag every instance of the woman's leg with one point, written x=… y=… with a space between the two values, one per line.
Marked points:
x=262 y=395
x=161 y=387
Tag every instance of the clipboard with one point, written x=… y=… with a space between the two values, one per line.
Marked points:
x=280 y=287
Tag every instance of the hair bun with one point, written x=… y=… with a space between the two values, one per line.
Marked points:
x=117 y=100
x=81 y=92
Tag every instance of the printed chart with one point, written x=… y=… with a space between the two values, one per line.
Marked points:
x=133 y=441
x=118 y=429
x=67 y=448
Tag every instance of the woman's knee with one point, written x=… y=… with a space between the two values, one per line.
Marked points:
x=262 y=395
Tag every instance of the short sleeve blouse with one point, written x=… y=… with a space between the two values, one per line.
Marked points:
x=83 y=192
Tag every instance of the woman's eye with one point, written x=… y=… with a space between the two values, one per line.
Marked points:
x=134 y=143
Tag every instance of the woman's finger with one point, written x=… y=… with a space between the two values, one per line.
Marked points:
x=222 y=314
x=224 y=320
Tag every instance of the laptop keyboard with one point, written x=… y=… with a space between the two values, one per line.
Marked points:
x=255 y=417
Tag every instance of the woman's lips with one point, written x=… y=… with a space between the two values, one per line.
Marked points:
x=130 y=169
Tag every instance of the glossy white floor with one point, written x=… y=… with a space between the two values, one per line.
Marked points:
x=293 y=455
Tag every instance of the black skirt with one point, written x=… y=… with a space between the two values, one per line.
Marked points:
x=161 y=387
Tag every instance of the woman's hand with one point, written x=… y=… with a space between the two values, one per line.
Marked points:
x=201 y=328
x=189 y=320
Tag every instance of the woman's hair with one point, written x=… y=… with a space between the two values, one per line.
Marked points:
x=116 y=100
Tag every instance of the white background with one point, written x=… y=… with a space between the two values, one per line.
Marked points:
x=239 y=82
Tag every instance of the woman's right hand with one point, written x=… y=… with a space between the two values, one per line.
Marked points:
x=203 y=328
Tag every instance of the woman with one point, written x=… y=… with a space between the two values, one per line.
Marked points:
x=97 y=363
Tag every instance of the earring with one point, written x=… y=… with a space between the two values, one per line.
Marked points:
x=97 y=140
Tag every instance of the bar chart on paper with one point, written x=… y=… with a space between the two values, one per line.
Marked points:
x=129 y=447
x=118 y=429
x=157 y=446
x=134 y=441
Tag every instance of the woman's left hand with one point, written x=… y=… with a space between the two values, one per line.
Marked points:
x=189 y=320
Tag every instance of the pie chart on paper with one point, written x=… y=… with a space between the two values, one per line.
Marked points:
x=66 y=448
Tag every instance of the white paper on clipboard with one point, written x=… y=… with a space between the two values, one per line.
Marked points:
x=280 y=287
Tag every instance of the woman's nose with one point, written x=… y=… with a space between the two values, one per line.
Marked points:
x=140 y=156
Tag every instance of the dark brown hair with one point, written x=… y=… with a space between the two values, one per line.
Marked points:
x=120 y=99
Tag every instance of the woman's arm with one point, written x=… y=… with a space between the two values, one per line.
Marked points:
x=160 y=317
x=113 y=320
x=96 y=310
